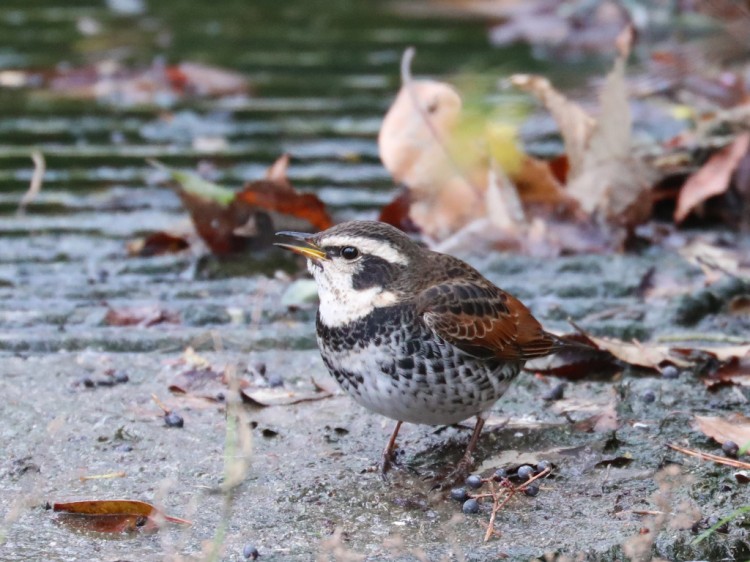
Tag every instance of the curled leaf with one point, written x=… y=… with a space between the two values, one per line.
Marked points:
x=113 y=516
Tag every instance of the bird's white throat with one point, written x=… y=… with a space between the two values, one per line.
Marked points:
x=341 y=304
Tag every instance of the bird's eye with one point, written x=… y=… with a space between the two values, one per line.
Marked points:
x=349 y=253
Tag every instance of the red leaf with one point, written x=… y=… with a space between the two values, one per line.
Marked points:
x=157 y=244
x=713 y=178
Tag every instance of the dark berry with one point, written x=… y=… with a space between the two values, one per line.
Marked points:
x=525 y=472
x=250 y=552
x=730 y=448
x=121 y=377
x=474 y=481
x=531 y=490
x=541 y=466
x=470 y=506
x=500 y=474
x=260 y=368
x=554 y=393
x=648 y=396
x=173 y=420
x=88 y=382
x=459 y=494
x=670 y=372
x=275 y=381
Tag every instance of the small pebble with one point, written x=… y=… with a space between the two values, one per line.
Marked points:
x=531 y=490
x=730 y=448
x=474 y=481
x=275 y=381
x=500 y=474
x=541 y=466
x=459 y=494
x=470 y=506
x=173 y=420
x=648 y=396
x=525 y=472
x=670 y=372
x=250 y=552
x=554 y=393
x=121 y=377
x=88 y=382
x=124 y=448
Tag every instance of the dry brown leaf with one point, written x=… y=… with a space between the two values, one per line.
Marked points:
x=143 y=316
x=231 y=222
x=157 y=244
x=735 y=427
x=646 y=355
x=713 y=178
x=604 y=177
x=536 y=183
x=576 y=126
x=113 y=516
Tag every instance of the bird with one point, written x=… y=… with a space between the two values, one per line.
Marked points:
x=412 y=334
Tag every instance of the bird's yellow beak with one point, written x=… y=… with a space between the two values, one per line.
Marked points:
x=303 y=246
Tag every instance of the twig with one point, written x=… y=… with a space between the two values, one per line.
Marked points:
x=709 y=457
x=120 y=474
x=159 y=403
x=35 y=185
x=498 y=505
x=718 y=338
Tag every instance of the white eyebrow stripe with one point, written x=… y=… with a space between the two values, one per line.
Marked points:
x=379 y=248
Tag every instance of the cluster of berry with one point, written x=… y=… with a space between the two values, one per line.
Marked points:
x=470 y=504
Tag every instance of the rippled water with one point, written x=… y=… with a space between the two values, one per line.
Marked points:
x=322 y=75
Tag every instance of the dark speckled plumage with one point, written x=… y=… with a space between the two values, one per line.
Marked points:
x=412 y=334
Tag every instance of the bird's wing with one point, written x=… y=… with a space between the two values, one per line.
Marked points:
x=483 y=320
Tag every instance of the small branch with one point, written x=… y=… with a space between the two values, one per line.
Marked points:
x=35 y=185
x=159 y=403
x=717 y=338
x=709 y=457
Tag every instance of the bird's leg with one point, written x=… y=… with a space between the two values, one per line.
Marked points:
x=388 y=453
x=466 y=463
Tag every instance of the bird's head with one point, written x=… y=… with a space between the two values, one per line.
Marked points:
x=358 y=266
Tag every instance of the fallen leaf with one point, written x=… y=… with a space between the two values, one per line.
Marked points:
x=194 y=79
x=111 y=82
x=231 y=222
x=713 y=178
x=735 y=427
x=415 y=147
x=604 y=176
x=503 y=204
x=264 y=397
x=576 y=126
x=157 y=244
x=113 y=516
x=144 y=316
x=396 y=213
x=648 y=355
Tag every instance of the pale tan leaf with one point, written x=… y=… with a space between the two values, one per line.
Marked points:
x=504 y=207
x=735 y=427
x=713 y=178
x=574 y=123
x=646 y=355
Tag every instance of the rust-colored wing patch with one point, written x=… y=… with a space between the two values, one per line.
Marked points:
x=483 y=321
